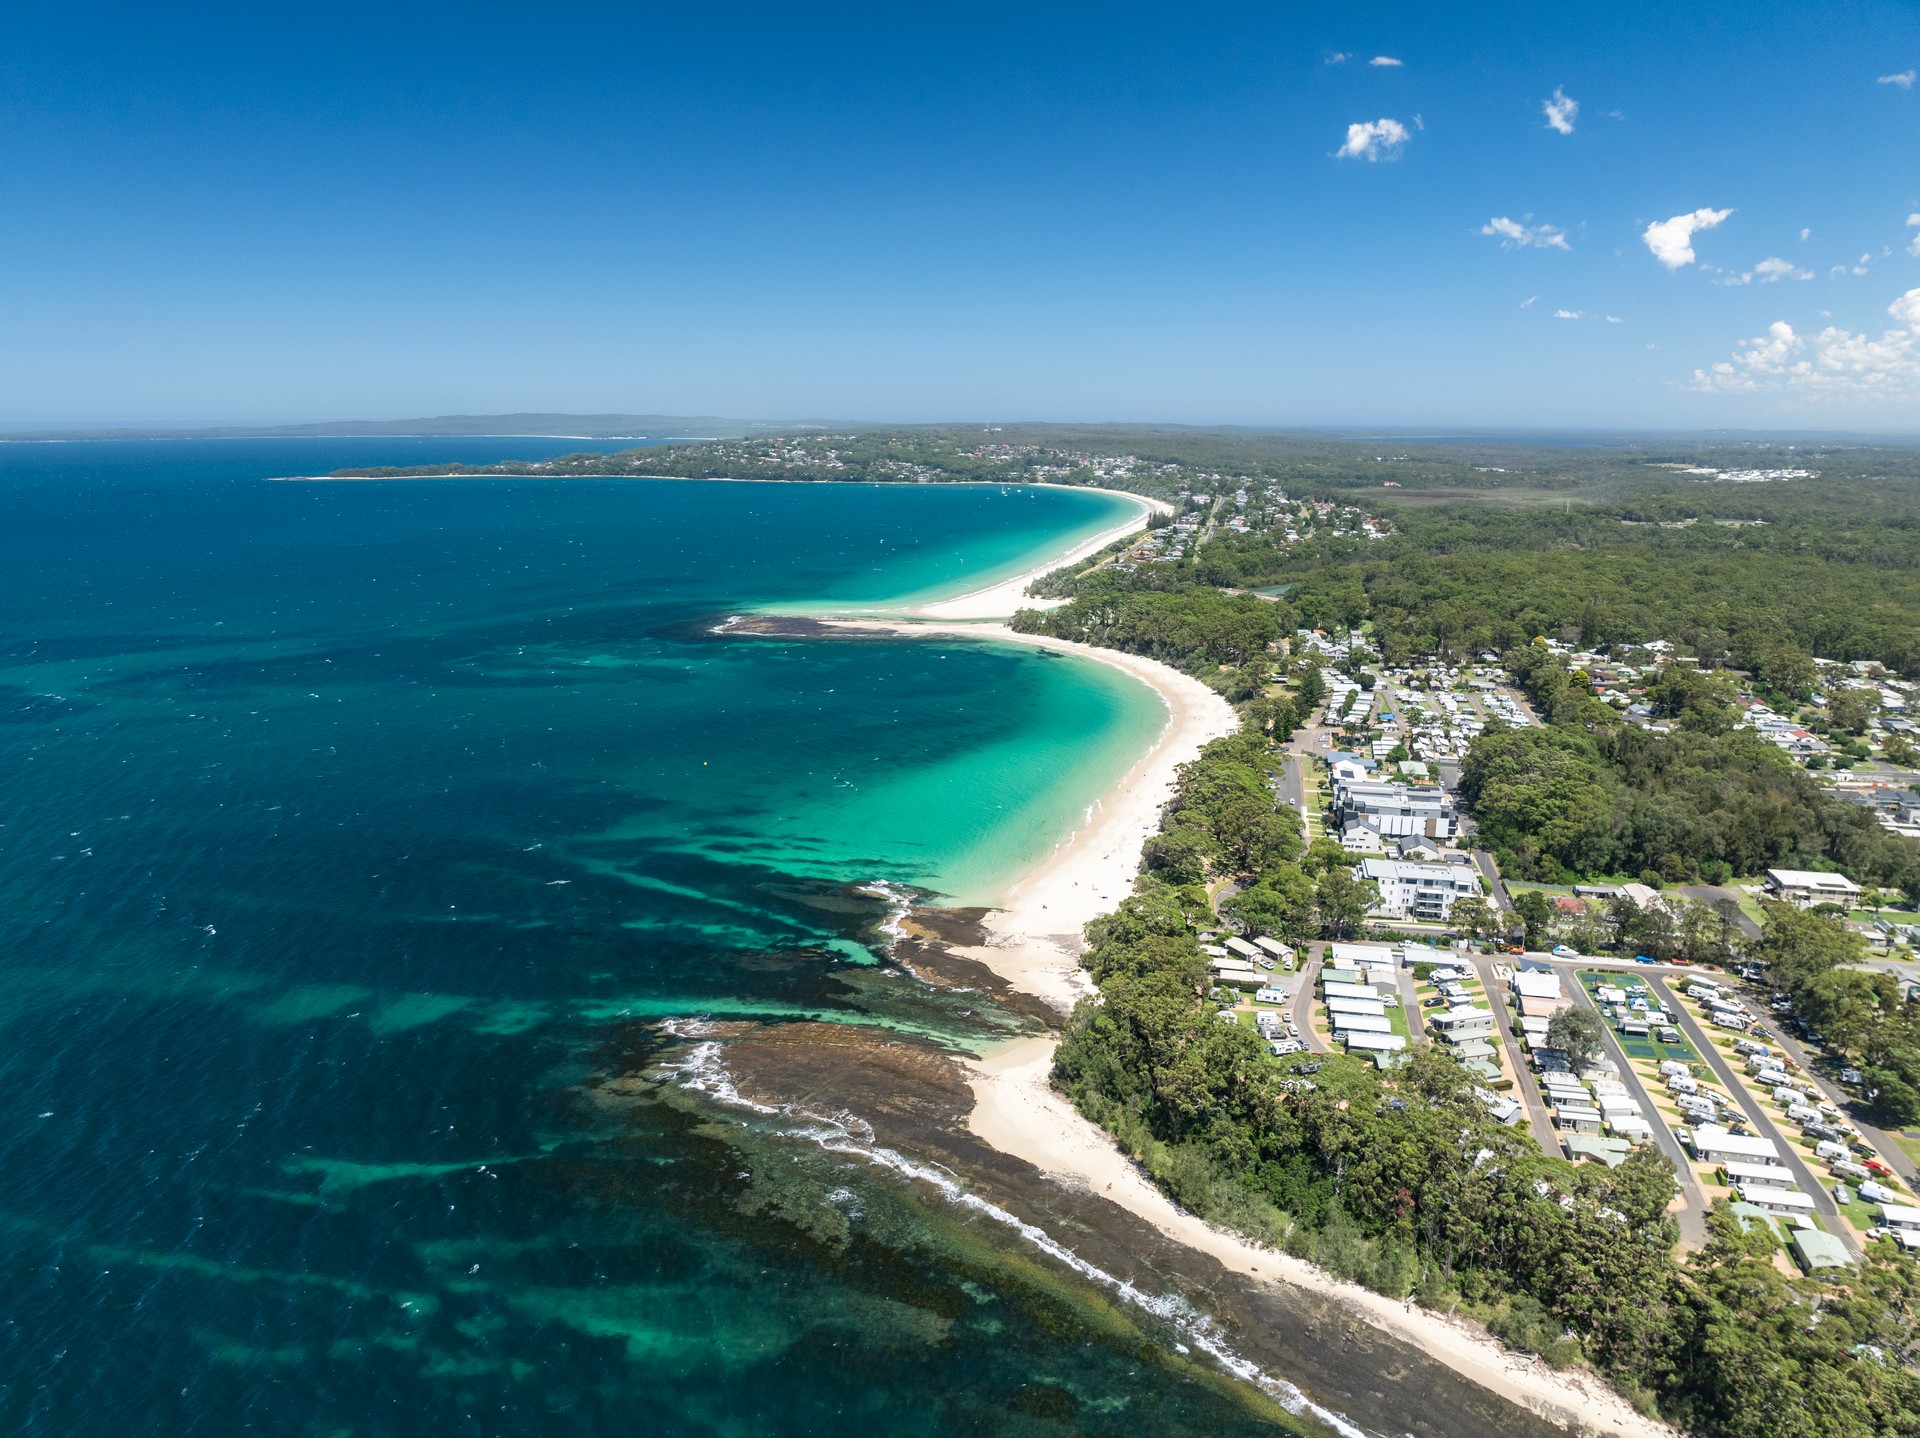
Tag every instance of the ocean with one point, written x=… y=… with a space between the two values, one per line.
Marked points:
x=356 y=840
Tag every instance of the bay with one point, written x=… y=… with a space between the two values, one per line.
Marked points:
x=356 y=840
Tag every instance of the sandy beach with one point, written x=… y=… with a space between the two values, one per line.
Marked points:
x=999 y=601
x=1035 y=939
x=1036 y=929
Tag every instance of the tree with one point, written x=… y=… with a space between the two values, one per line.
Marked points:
x=1312 y=684
x=1342 y=902
x=1472 y=917
x=1536 y=914
x=1281 y=904
x=1576 y=1032
x=1850 y=710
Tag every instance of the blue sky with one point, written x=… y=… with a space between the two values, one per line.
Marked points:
x=1083 y=212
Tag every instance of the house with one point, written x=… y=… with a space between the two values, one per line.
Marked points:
x=1242 y=949
x=1508 y=1111
x=1274 y=949
x=1593 y=1149
x=1713 y=1146
x=1899 y=1216
x=1360 y=1023
x=1375 y=1043
x=1425 y=892
x=1462 y=1023
x=1577 y=1120
x=1784 y=1201
x=1357 y=838
x=1818 y=1252
x=1805 y=888
x=1372 y=1008
x=1350 y=991
x=1737 y=1173
x=1394 y=809
x=1535 y=984
x=1472 y=1051
x=1239 y=974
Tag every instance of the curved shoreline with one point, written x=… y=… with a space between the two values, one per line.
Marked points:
x=1001 y=600
x=1017 y=1111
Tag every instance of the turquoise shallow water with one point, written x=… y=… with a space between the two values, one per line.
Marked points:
x=352 y=836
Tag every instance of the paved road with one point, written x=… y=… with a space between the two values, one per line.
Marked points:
x=1483 y=861
x=1710 y=894
x=1525 y=1089
x=1758 y=1117
x=1813 y=1065
x=1410 y=1006
x=1301 y=1008
x=1692 y=1217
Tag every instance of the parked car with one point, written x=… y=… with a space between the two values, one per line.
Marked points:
x=1561 y=951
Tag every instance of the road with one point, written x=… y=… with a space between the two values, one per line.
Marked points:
x=1313 y=955
x=1761 y=1121
x=1693 y=1214
x=1814 y=1067
x=1490 y=871
x=1710 y=894
x=1526 y=1090
x=1410 y=1006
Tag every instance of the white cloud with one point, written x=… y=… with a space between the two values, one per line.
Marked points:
x=1338 y=57
x=1806 y=234
x=1769 y=271
x=1527 y=303
x=1561 y=111
x=1386 y=62
x=1568 y=314
x=1914 y=248
x=1514 y=235
x=1615 y=320
x=1374 y=140
x=1904 y=79
x=1672 y=240
x=1835 y=362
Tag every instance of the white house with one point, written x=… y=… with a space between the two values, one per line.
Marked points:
x=1424 y=892
x=1805 y=888
x=1712 y=1146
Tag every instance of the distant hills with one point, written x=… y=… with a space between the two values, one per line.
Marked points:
x=559 y=426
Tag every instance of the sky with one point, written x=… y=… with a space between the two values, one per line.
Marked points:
x=1522 y=214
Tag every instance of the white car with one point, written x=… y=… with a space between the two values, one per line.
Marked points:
x=1561 y=951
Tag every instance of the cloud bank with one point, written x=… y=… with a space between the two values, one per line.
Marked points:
x=1835 y=363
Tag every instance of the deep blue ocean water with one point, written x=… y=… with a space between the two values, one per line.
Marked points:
x=353 y=837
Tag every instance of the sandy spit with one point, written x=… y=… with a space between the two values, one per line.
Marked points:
x=1000 y=601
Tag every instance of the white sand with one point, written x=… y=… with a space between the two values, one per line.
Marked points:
x=1035 y=946
x=999 y=601
x=1036 y=931
x=1017 y=1112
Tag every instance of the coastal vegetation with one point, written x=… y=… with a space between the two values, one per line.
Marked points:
x=1401 y=1180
